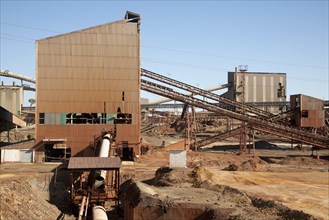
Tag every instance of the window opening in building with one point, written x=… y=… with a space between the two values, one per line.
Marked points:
x=123 y=118
x=127 y=152
x=56 y=152
x=123 y=96
x=85 y=118
x=297 y=102
x=281 y=91
x=304 y=114
x=41 y=118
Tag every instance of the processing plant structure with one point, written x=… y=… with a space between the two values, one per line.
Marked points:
x=89 y=81
x=88 y=109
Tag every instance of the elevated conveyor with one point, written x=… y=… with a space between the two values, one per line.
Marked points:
x=261 y=122
x=197 y=91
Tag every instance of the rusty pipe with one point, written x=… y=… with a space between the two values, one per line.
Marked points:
x=82 y=208
x=99 y=213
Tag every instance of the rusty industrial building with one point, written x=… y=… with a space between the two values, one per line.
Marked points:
x=88 y=81
x=257 y=87
x=88 y=116
x=11 y=103
x=11 y=98
x=309 y=111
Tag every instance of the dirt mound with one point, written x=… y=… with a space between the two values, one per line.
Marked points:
x=146 y=146
x=154 y=156
x=26 y=199
x=146 y=143
x=198 y=159
x=166 y=176
x=225 y=161
x=204 y=202
x=303 y=161
x=249 y=165
x=227 y=193
x=280 y=210
x=252 y=207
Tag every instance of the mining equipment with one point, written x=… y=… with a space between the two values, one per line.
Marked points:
x=95 y=180
x=255 y=119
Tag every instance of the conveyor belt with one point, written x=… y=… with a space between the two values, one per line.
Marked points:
x=205 y=93
x=179 y=105
x=257 y=123
x=224 y=102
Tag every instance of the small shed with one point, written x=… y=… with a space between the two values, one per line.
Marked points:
x=18 y=153
x=177 y=159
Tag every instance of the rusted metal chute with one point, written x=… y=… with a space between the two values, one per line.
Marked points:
x=95 y=180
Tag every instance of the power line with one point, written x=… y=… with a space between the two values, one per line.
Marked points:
x=22 y=41
x=188 y=52
x=27 y=27
x=234 y=58
x=11 y=35
x=192 y=66
x=182 y=64
x=166 y=49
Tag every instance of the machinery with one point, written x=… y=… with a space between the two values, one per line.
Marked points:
x=254 y=118
x=95 y=180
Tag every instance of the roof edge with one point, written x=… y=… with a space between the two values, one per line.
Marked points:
x=84 y=29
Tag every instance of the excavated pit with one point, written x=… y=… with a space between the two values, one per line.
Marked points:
x=181 y=194
x=33 y=197
x=35 y=191
x=289 y=185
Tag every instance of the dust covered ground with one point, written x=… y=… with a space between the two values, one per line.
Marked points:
x=28 y=191
x=276 y=183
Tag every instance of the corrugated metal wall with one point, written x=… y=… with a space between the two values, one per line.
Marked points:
x=309 y=111
x=17 y=156
x=11 y=98
x=88 y=71
x=259 y=87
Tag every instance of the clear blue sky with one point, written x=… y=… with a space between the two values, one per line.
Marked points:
x=193 y=41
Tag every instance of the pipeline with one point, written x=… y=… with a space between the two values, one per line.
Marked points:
x=82 y=207
x=103 y=152
x=99 y=213
x=6 y=73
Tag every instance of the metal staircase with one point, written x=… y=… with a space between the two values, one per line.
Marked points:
x=258 y=119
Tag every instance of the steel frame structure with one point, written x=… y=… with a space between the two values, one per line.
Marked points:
x=261 y=121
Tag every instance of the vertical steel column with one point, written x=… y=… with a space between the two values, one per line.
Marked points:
x=243 y=141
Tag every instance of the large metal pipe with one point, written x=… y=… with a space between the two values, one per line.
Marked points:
x=103 y=152
x=105 y=146
x=87 y=204
x=99 y=213
x=6 y=73
x=82 y=207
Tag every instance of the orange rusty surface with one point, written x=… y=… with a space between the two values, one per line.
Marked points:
x=86 y=71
